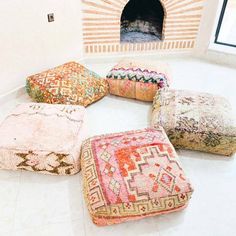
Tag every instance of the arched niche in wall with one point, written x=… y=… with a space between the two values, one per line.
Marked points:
x=142 y=21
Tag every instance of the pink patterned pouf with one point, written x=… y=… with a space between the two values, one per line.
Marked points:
x=132 y=175
x=44 y=138
x=139 y=79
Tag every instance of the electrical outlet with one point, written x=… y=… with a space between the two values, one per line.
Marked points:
x=51 y=17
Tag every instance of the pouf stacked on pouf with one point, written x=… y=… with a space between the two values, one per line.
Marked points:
x=197 y=121
x=132 y=175
x=43 y=138
x=70 y=83
x=138 y=79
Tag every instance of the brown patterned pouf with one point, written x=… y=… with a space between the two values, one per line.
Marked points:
x=197 y=121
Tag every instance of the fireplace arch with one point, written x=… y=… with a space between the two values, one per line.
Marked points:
x=102 y=26
x=142 y=21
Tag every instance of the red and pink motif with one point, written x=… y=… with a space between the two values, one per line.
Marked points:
x=132 y=170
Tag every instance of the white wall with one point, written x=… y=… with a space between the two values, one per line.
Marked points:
x=29 y=44
x=205 y=47
x=207 y=27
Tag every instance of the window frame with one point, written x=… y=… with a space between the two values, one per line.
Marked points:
x=218 y=28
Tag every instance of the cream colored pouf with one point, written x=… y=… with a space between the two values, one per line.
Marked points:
x=43 y=138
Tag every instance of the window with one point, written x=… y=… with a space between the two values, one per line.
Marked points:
x=226 y=29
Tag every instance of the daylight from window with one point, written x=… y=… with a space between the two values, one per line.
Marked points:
x=227 y=33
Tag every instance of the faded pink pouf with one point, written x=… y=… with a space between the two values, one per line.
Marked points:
x=132 y=175
x=44 y=138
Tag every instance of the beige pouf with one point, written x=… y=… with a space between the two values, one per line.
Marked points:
x=197 y=121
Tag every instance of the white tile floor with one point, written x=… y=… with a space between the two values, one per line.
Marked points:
x=34 y=204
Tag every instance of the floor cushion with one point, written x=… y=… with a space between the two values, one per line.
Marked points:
x=70 y=83
x=197 y=121
x=44 y=138
x=138 y=79
x=132 y=175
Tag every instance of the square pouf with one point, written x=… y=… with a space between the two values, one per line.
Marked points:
x=138 y=79
x=197 y=121
x=132 y=175
x=70 y=83
x=43 y=138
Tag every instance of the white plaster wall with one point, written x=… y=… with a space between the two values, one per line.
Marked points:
x=29 y=44
x=208 y=26
x=205 y=47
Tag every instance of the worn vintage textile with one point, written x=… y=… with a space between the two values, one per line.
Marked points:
x=138 y=79
x=70 y=83
x=44 y=138
x=132 y=175
x=198 y=121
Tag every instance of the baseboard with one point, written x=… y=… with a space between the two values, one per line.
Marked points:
x=19 y=91
x=13 y=94
x=104 y=58
x=210 y=55
x=219 y=57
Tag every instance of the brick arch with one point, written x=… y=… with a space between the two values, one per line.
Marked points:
x=101 y=26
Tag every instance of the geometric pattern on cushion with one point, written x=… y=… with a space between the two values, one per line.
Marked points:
x=197 y=121
x=138 y=79
x=44 y=138
x=132 y=175
x=70 y=83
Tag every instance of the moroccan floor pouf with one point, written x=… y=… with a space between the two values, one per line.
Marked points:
x=132 y=175
x=197 y=121
x=138 y=79
x=44 y=138
x=70 y=83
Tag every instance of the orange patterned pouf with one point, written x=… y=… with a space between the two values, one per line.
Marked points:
x=70 y=83
x=132 y=175
x=138 y=79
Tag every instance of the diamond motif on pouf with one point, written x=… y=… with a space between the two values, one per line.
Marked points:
x=138 y=79
x=43 y=138
x=142 y=176
x=70 y=83
x=197 y=121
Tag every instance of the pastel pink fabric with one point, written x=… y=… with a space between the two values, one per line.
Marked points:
x=132 y=175
x=44 y=138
